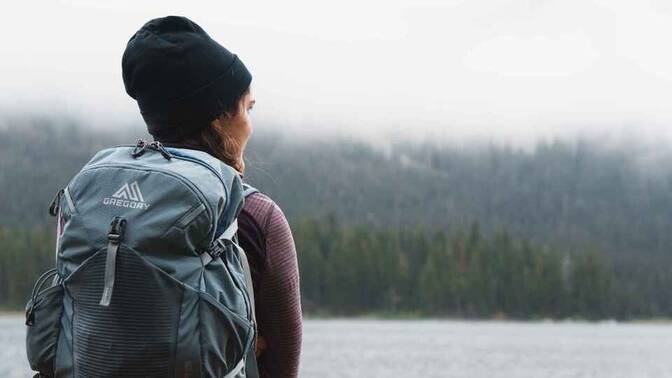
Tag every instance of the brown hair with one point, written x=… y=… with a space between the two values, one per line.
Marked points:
x=216 y=140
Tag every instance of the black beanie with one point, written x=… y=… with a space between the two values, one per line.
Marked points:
x=181 y=78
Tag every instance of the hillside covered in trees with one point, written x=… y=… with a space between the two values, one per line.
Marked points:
x=563 y=229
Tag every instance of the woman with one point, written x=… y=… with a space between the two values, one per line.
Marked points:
x=193 y=93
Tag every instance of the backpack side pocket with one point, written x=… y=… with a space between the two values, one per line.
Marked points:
x=43 y=321
x=226 y=337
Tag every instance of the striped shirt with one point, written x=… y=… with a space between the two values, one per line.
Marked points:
x=267 y=240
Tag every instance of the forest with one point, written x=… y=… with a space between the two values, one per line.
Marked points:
x=563 y=229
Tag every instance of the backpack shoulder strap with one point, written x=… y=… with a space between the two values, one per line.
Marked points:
x=248 y=189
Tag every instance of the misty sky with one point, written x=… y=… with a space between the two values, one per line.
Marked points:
x=507 y=68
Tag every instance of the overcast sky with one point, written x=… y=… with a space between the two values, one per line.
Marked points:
x=502 y=68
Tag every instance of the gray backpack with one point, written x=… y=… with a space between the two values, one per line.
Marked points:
x=149 y=278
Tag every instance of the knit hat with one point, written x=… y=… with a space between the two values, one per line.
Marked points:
x=181 y=78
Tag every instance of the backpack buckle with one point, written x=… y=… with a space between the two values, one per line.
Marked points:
x=116 y=229
x=217 y=248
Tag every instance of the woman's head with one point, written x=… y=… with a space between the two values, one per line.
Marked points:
x=189 y=87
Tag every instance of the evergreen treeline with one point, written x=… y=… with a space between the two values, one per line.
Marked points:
x=355 y=271
x=349 y=271
x=24 y=255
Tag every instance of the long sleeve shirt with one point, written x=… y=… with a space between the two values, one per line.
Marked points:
x=267 y=240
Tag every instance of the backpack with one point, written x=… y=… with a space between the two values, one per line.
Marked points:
x=149 y=279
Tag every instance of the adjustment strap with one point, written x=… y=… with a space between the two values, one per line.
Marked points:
x=110 y=270
x=230 y=231
x=114 y=237
x=206 y=258
x=219 y=245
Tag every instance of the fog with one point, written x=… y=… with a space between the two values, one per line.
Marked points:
x=472 y=70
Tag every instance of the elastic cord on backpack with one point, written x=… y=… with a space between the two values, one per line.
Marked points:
x=41 y=281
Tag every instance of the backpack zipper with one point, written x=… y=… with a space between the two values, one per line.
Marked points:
x=206 y=165
x=179 y=155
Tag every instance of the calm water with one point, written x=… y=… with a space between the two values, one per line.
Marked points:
x=373 y=348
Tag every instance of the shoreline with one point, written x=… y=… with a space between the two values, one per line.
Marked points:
x=417 y=318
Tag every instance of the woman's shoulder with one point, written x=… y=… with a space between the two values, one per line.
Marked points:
x=263 y=209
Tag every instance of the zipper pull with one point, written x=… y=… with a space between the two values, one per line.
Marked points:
x=139 y=149
x=158 y=146
x=114 y=237
x=55 y=203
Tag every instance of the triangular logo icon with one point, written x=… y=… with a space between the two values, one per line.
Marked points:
x=130 y=192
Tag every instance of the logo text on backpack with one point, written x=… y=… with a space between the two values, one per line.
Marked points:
x=129 y=195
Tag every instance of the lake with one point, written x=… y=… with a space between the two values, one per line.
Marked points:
x=446 y=348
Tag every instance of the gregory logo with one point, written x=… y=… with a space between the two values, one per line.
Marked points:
x=129 y=195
